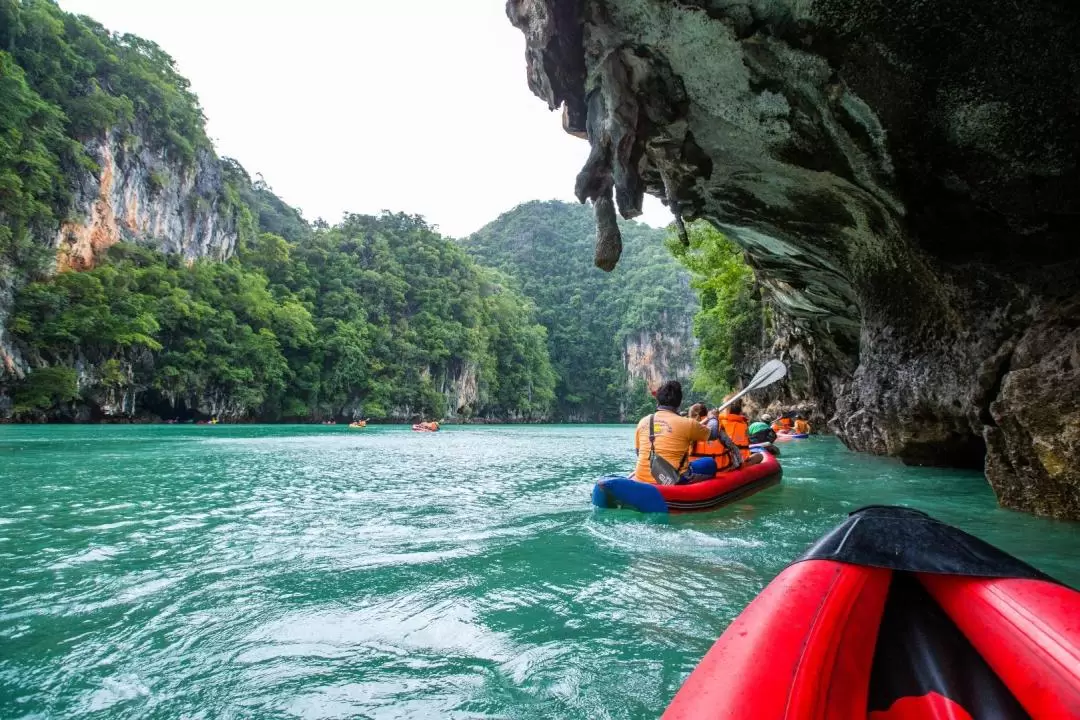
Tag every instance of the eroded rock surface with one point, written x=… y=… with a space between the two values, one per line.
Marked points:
x=134 y=194
x=904 y=177
x=137 y=195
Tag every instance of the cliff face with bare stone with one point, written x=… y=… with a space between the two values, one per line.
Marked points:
x=135 y=194
x=904 y=178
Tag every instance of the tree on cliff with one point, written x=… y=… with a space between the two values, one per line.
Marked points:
x=728 y=325
x=378 y=316
x=594 y=319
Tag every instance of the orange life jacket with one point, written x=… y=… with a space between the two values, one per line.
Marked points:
x=802 y=427
x=737 y=428
x=782 y=424
x=713 y=449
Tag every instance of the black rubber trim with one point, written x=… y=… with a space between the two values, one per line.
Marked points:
x=899 y=538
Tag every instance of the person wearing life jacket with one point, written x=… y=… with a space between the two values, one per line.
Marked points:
x=783 y=425
x=735 y=424
x=671 y=434
x=719 y=447
x=801 y=426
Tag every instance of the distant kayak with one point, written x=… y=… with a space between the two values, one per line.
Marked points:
x=894 y=615
x=724 y=489
x=358 y=425
x=426 y=427
x=792 y=436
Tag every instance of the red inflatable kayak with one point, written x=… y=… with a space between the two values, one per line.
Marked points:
x=724 y=489
x=896 y=616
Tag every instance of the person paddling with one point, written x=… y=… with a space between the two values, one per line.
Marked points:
x=737 y=428
x=719 y=448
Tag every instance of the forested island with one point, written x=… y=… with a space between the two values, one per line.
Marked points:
x=146 y=279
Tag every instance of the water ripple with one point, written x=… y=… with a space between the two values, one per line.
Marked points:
x=295 y=572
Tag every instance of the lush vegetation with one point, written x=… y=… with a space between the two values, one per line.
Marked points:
x=729 y=322
x=379 y=317
x=591 y=316
x=63 y=79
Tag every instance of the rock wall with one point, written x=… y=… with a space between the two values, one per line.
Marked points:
x=654 y=356
x=138 y=196
x=904 y=177
x=135 y=195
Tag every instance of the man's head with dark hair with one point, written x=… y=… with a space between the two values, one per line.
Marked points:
x=698 y=411
x=734 y=408
x=670 y=394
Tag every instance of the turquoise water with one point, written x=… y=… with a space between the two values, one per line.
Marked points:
x=311 y=572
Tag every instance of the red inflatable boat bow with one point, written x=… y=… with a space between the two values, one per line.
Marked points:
x=896 y=616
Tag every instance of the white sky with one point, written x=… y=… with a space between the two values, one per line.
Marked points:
x=419 y=106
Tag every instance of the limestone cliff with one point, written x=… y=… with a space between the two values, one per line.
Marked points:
x=137 y=195
x=904 y=177
x=134 y=194
x=654 y=356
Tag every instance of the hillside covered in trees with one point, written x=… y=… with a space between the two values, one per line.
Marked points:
x=203 y=294
x=378 y=316
x=143 y=277
x=611 y=336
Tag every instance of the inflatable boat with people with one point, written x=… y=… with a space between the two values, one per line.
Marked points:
x=616 y=491
x=894 y=615
x=426 y=427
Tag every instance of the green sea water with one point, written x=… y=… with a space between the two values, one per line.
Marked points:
x=323 y=572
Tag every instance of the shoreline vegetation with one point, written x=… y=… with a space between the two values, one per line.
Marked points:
x=286 y=319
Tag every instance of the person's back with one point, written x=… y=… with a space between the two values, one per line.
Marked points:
x=737 y=427
x=719 y=448
x=673 y=435
x=801 y=426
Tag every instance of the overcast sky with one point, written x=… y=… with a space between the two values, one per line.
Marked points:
x=420 y=106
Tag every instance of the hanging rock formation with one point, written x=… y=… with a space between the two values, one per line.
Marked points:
x=904 y=178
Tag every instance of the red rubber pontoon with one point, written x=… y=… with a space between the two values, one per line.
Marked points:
x=896 y=616
x=724 y=489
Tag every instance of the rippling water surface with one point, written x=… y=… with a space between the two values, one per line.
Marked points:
x=238 y=572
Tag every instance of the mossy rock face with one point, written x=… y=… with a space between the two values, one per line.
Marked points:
x=904 y=176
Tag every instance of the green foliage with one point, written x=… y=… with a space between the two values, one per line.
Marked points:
x=728 y=325
x=590 y=316
x=64 y=79
x=33 y=148
x=379 y=316
x=45 y=388
x=100 y=80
